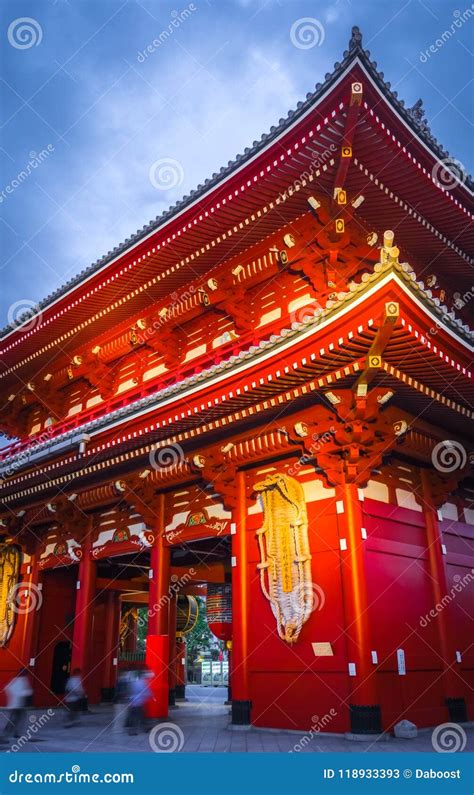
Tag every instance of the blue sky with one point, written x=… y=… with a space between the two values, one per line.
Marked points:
x=97 y=116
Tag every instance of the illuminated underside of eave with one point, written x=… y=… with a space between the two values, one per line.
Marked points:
x=342 y=365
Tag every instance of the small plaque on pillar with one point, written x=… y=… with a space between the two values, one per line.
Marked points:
x=352 y=669
x=323 y=649
x=401 y=662
x=32 y=662
x=458 y=657
x=375 y=657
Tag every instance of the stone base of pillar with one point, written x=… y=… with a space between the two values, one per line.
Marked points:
x=171 y=697
x=107 y=694
x=365 y=719
x=241 y=711
x=180 y=692
x=457 y=710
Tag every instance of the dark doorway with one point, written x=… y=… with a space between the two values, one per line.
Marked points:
x=61 y=665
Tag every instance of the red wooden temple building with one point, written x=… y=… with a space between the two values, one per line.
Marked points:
x=268 y=388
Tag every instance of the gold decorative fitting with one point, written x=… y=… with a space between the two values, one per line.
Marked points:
x=163 y=312
x=120 y=486
x=400 y=427
x=431 y=280
x=341 y=196
x=144 y=474
x=51 y=507
x=48 y=377
x=141 y=324
x=289 y=240
x=356 y=94
x=199 y=461
x=212 y=284
x=238 y=270
x=301 y=429
x=70 y=373
x=339 y=226
x=382 y=399
x=334 y=399
x=362 y=390
x=372 y=239
x=30 y=386
x=77 y=361
x=283 y=257
x=204 y=297
x=313 y=203
x=226 y=448
x=96 y=350
x=347 y=151
x=388 y=237
x=357 y=201
x=392 y=309
x=133 y=337
x=374 y=361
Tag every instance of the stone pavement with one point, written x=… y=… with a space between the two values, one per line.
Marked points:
x=199 y=724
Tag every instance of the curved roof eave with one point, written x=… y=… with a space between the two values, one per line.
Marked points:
x=412 y=118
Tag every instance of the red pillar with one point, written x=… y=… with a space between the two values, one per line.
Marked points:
x=82 y=632
x=112 y=628
x=173 y=647
x=180 y=689
x=364 y=709
x=157 y=642
x=241 y=704
x=454 y=687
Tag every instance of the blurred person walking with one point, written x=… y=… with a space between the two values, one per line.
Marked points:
x=122 y=701
x=74 y=695
x=17 y=691
x=139 y=694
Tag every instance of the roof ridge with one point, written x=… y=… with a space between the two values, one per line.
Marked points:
x=414 y=116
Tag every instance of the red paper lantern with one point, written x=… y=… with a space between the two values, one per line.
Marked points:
x=219 y=610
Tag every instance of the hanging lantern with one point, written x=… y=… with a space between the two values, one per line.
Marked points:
x=187 y=614
x=219 y=610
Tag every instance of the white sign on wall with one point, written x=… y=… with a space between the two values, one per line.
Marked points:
x=401 y=662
